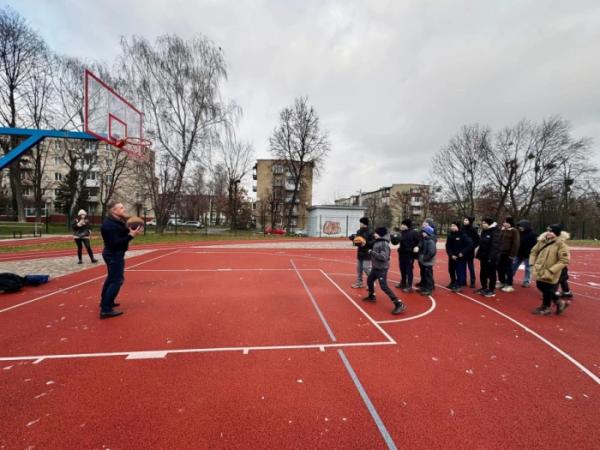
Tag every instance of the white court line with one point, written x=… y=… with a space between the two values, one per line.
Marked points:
x=314 y=302
x=369 y=318
x=581 y=367
x=418 y=316
x=221 y=270
x=151 y=354
x=76 y=285
x=584 y=285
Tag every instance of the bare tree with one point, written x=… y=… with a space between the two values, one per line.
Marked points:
x=177 y=83
x=80 y=157
x=38 y=94
x=237 y=158
x=20 y=47
x=299 y=141
x=458 y=167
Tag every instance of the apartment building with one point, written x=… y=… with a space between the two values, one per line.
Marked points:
x=274 y=189
x=405 y=200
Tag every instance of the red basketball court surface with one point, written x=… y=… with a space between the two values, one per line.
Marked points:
x=243 y=347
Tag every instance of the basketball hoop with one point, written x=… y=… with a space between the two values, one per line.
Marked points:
x=136 y=147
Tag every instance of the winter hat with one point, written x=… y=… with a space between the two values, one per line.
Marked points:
x=381 y=231
x=364 y=220
x=428 y=230
x=488 y=220
x=82 y=212
x=471 y=219
x=457 y=223
x=556 y=229
x=407 y=222
x=510 y=221
x=429 y=220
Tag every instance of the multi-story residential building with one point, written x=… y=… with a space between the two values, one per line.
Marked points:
x=97 y=163
x=405 y=200
x=274 y=189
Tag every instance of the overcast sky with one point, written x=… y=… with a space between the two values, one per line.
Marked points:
x=391 y=80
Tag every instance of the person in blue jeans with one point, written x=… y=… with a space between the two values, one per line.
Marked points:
x=116 y=236
x=527 y=241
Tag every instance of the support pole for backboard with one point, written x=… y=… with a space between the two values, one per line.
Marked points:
x=34 y=137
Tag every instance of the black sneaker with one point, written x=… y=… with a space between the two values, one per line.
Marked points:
x=457 y=289
x=479 y=291
x=94 y=261
x=568 y=294
x=109 y=314
x=408 y=290
x=425 y=293
x=489 y=294
x=79 y=262
x=370 y=298
x=542 y=311
x=399 y=307
x=450 y=286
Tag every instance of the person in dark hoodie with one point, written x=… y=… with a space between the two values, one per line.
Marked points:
x=427 y=251
x=458 y=244
x=471 y=231
x=509 y=248
x=116 y=238
x=363 y=257
x=380 y=258
x=527 y=239
x=488 y=254
x=409 y=239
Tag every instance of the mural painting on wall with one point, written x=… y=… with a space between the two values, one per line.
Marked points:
x=330 y=227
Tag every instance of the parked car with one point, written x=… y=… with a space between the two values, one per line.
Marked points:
x=172 y=222
x=299 y=233
x=275 y=230
x=151 y=223
x=193 y=224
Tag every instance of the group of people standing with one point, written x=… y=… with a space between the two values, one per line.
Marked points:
x=501 y=250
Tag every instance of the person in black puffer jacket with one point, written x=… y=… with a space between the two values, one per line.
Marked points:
x=409 y=240
x=471 y=231
x=363 y=257
x=458 y=244
x=527 y=241
x=488 y=255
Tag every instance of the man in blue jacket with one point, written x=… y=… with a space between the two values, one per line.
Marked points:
x=116 y=238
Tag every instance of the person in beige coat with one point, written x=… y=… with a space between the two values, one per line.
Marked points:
x=548 y=257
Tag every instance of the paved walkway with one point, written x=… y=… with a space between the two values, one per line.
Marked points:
x=56 y=267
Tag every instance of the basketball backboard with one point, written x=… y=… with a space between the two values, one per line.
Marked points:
x=111 y=118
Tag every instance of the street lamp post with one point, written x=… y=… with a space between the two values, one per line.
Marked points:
x=48 y=202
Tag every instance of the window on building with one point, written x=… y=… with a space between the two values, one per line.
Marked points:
x=277 y=168
x=57 y=160
x=58 y=176
x=56 y=191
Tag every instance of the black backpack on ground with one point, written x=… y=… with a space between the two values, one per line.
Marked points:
x=9 y=282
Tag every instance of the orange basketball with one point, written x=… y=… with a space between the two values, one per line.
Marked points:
x=359 y=241
x=135 y=222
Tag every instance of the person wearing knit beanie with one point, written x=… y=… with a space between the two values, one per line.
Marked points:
x=363 y=257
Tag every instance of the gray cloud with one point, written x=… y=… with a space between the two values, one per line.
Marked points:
x=392 y=81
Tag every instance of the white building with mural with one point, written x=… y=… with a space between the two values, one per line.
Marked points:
x=333 y=220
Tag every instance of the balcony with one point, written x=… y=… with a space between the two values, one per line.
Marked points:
x=290 y=186
x=416 y=203
x=92 y=183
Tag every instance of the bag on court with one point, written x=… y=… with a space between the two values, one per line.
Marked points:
x=9 y=282
x=35 y=280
